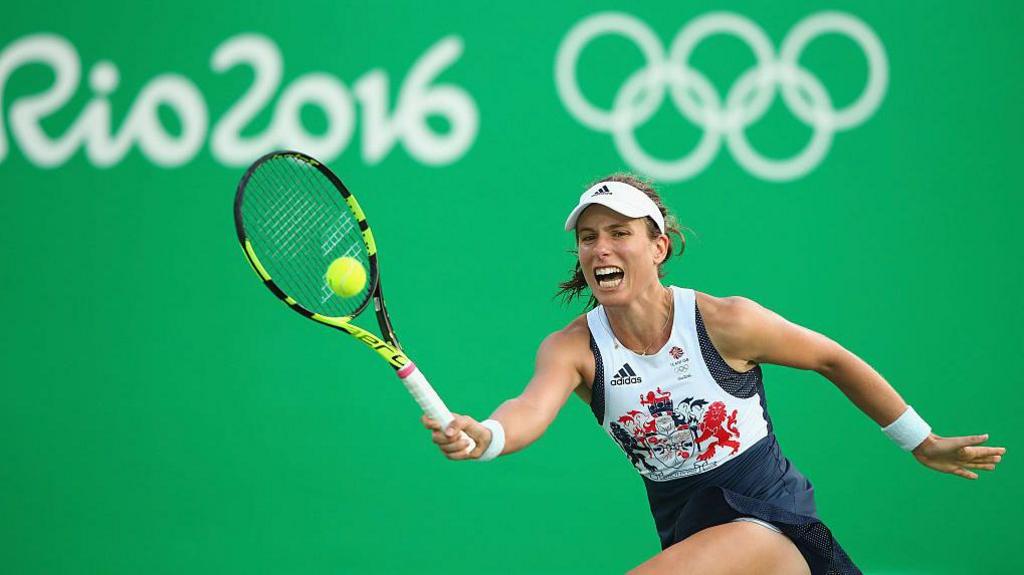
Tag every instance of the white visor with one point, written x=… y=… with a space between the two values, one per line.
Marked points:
x=620 y=197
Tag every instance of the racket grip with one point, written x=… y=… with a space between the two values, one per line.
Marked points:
x=428 y=400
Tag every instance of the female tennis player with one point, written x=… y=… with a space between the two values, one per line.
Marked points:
x=673 y=375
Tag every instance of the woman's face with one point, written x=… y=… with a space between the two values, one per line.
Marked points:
x=618 y=259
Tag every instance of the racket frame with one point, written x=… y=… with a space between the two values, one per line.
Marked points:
x=388 y=349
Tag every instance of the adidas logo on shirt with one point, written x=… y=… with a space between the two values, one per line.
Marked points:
x=625 y=376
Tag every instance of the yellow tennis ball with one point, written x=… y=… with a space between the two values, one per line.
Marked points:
x=346 y=276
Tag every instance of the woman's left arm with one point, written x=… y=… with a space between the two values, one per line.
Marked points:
x=758 y=335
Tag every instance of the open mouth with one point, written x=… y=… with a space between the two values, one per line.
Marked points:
x=609 y=276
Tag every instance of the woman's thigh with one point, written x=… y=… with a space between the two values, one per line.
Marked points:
x=731 y=549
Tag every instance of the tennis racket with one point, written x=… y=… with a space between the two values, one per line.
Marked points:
x=294 y=217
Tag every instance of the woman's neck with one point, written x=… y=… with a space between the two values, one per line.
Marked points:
x=645 y=323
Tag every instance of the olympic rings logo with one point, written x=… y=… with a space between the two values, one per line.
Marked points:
x=748 y=98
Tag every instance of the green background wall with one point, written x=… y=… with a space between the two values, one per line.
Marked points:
x=161 y=413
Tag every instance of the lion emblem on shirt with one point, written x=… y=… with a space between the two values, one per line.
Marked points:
x=720 y=429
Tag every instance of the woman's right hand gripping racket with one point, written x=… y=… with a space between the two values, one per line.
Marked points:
x=295 y=218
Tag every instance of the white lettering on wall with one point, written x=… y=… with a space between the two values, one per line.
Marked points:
x=382 y=127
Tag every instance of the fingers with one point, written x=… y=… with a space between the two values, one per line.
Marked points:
x=965 y=474
x=971 y=439
x=454 y=447
x=459 y=423
x=985 y=466
x=459 y=448
x=481 y=436
x=438 y=435
x=967 y=440
x=460 y=430
x=454 y=440
x=429 y=423
x=974 y=453
x=441 y=439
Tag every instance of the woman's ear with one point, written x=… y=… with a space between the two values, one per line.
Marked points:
x=661 y=248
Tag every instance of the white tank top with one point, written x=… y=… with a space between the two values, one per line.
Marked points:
x=666 y=410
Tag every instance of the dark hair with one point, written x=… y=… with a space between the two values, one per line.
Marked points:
x=573 y=288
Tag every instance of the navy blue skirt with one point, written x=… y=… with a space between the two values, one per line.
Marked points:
x=759 y=483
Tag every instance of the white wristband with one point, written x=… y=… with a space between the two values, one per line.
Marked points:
x=909 y=430
x=497 y=440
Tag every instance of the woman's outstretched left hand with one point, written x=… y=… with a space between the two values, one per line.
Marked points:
x=958 y=455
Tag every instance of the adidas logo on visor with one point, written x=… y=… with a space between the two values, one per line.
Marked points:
x=602 y=191
x=626 y=376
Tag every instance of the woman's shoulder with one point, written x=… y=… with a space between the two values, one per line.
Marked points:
x=573 y=338
x=724 y=308
x=576 y=332
x=568 y=348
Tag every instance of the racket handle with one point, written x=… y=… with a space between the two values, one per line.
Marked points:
x=427 y=398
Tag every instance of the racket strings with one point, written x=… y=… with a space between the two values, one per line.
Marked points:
x=298 y=277
x=318 y=186
x=284 y=272
x=298 y=223
x=340 y=233
x=277 y=221
x=344 y=232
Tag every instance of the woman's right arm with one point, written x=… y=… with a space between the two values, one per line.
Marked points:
x=524 y=418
